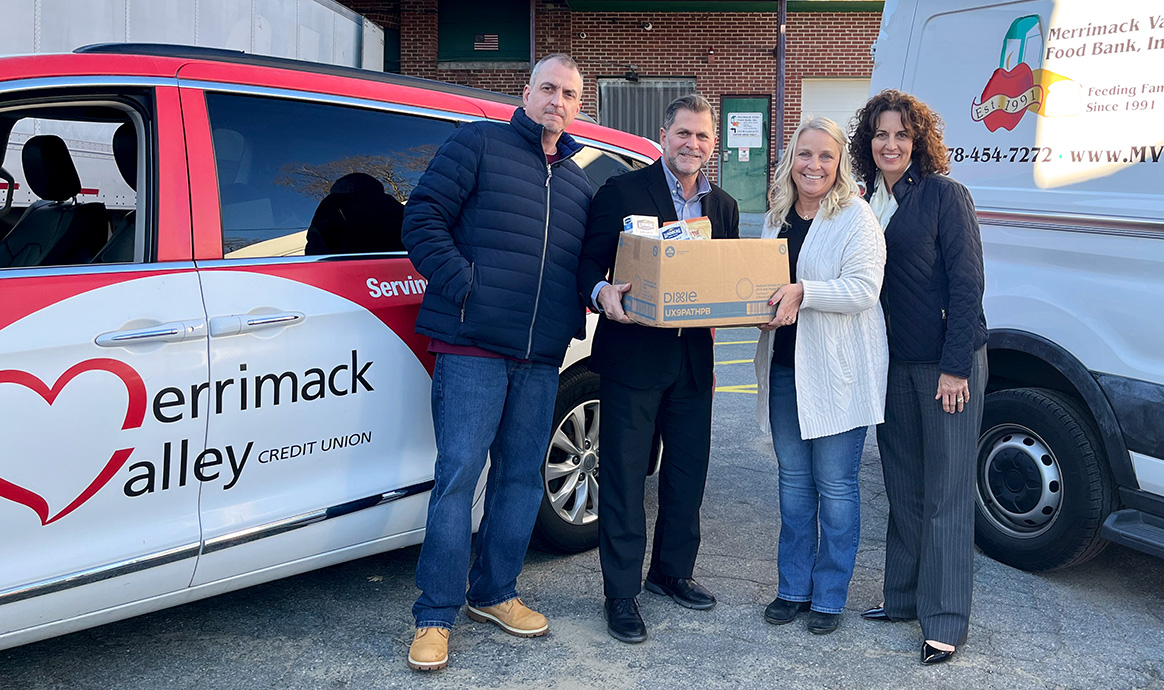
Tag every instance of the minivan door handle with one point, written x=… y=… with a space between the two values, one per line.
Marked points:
x=234 y=324
x=172 y=332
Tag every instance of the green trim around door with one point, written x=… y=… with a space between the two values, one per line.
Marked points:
x=745 y=124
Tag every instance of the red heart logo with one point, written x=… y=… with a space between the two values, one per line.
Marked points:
x=134 y=414
x=1012 y=84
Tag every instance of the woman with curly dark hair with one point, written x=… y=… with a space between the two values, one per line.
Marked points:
x=932 y=298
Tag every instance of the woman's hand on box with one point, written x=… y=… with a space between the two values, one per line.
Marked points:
x=787 y=302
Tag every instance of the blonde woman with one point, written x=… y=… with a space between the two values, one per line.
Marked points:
x=821 y=370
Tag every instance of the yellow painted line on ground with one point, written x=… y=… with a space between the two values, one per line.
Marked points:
x=736 y=361
x=738 y=342
x=743 y=388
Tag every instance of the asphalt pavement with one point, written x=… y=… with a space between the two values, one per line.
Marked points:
x=751 y=224
x=1097 y=625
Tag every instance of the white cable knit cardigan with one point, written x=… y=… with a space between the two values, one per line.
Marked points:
x=841 y=353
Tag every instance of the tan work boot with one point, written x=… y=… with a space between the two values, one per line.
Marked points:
x=513 y=617
x=429 y=650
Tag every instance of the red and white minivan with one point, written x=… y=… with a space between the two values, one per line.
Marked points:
x=208 y=371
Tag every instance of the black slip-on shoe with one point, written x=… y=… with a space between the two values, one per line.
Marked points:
x=683 y=590
x=623 y=620
x=820 y=623
x=782 y=611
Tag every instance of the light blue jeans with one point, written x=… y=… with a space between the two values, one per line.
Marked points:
x=820 y=503
x=503 y=408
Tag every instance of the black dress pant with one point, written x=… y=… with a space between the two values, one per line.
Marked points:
x=928 y=458
x=681 y=412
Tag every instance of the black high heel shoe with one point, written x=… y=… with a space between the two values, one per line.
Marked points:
x=931 y=655
x=877 y=613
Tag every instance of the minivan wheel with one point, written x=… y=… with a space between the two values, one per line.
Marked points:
x=1043 y=491
x=568 y=518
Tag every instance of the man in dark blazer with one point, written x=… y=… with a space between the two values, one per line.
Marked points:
x=653 y=378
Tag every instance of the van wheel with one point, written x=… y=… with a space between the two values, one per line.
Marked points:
x=568 y=519
x=1042 y=489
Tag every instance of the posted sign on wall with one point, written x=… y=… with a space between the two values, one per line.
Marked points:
x=745 y=130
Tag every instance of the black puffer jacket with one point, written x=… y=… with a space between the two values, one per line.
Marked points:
x=497 y=233
x=932 y=294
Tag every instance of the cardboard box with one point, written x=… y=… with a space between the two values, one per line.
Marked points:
x=685 y=284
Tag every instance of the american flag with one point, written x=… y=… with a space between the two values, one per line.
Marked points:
x=485 y=42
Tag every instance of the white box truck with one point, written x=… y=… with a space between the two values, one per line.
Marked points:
x=1054 y=114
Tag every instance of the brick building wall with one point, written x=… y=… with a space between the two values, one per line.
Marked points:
x=819 y=44
x=726 y=53
x=678 y=45
x=418 y=38
x=417 y=22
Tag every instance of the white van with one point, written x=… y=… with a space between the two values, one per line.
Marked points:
x=1054 y=113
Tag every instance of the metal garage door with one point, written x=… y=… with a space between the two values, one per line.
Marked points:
x=638 y=107
x=836 y=99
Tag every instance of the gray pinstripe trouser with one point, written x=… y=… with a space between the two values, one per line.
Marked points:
x=928 y=459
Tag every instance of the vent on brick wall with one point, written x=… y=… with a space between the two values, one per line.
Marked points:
x=486 y=42
x=638 y=107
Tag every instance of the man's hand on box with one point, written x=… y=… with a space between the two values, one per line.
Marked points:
x=787 y=302
x=610 y=299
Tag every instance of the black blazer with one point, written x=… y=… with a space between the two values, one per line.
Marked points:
x=634 y=355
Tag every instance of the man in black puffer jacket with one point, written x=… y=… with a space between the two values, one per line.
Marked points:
x=495 y=225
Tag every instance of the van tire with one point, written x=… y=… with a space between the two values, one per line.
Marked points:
x=1042 y=490
x=571 y=460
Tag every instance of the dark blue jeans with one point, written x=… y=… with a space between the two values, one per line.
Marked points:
x=479 y=406
x=820 y=503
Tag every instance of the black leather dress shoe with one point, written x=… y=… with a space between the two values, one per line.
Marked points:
x=782 y=611
x=820 y=623
x=931 y=655
x=684 y=590
x=623 y=620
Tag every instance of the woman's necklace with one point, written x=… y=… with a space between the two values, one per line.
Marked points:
x=806 y=215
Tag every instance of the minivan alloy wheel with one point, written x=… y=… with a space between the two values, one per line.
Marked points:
x=571 y=471
x=567 y=520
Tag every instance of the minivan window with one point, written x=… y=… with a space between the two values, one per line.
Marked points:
x=301 y=178
x=68 y=186
x=600 y=165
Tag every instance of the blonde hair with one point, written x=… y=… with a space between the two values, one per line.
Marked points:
x=783 y=193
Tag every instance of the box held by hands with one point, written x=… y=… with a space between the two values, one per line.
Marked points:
x=684 y=284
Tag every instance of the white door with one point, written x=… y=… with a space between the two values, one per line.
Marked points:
x=321 y=418
x=98 y=505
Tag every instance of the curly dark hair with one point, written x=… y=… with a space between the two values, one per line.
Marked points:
x=922 y=123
